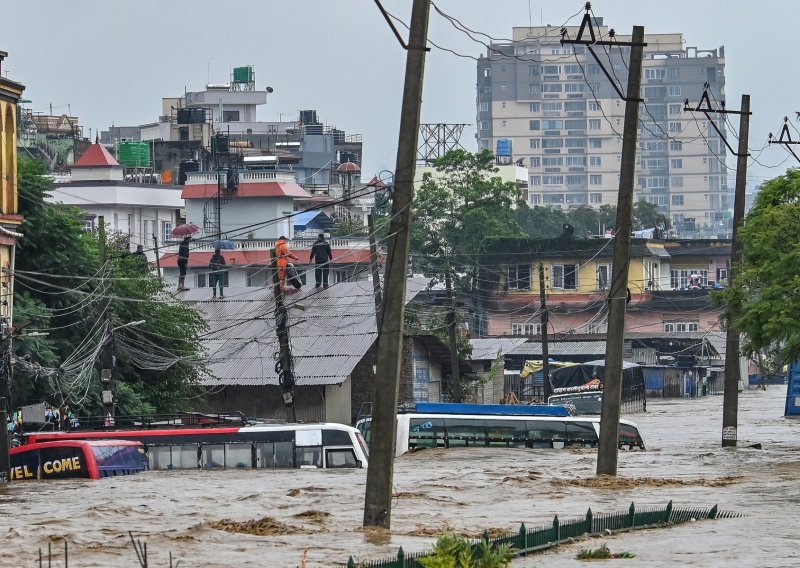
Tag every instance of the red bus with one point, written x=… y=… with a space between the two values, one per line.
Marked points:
x=76 y=459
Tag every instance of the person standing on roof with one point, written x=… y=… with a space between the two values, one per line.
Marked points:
x=283 y=254
x=183 y=263
x=217 y=267
x=321 y=255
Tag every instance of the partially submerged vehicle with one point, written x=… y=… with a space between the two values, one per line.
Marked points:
x=77 y=459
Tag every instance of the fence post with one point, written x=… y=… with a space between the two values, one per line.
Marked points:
x=556 y=529
x=401 y=557
x=631 y=514
x=523 y=539
x=712 y=514
x=589 y=521
x=668 y=511
x=351 y=563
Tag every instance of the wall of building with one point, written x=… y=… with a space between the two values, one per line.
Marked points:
x=244 y=215
x=266 y=402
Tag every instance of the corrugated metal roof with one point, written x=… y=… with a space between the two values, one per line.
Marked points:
x=562 y=348
x=488 y=347
x=329 y=335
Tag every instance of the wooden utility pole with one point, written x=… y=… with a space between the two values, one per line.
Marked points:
x=452 y=336
x=107 y=355
x=618 y=295
x=158 y=259
x=378 y=499
x=547 y=387
x=730 y=403
x=285 y=362
x=376 y=274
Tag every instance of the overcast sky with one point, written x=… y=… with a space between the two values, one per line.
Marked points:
x=112 y=62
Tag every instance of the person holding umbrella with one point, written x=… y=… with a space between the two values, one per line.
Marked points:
x=183 y=262
x=217 y=266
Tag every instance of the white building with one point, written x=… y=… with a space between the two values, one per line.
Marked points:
x=139 y=210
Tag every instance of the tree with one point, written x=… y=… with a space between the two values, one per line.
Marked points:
x=348 y=228
x=763 y=298
x=646 y=216
x=456 y=209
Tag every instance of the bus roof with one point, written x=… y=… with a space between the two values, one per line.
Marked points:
x=490 y=409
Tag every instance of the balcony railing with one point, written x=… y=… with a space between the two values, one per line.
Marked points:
x=267 y=244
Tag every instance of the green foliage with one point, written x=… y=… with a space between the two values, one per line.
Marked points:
x=453 y=551
x=602 y=553
x=763 y=299
x=348 y=228
x=646 y=215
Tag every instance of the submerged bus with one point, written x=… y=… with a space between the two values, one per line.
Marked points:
x=259 y=446
x=76 y=459
x=417 y=430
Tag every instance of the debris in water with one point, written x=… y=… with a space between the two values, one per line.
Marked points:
x=612 y=482
x=313 y=516
x=265 y=526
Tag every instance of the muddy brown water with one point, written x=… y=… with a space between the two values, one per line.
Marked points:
x=271 y=518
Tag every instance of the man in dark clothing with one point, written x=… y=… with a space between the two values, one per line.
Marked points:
x=217 y=266
x=138 y=260
x=183 y=263
x=321 y=255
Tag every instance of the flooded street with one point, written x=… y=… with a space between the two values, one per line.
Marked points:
x=466 y=490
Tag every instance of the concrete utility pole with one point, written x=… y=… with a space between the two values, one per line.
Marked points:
x=615 y=338
x=373 y=263
x=378 y=499
x=107 y=356
x=730 y=403
x=286 y=364
x=5 y=398
x=546 y=386
x=451 y=332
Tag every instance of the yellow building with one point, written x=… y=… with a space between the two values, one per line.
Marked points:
x=10 y=220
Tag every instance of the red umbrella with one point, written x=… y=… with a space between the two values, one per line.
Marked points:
x=185 y=230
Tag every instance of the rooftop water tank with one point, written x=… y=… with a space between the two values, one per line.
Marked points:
x=503 y=151
x=134 y=154
x=243 y=74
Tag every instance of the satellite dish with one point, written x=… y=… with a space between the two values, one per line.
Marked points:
x=270 y=89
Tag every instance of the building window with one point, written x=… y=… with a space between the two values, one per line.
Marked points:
x=575 y=142
x=535 y=198
x=655 y=73
x=674 y=126
x=553 y=180
x=676 y=163
x=533 y=125
x=595 y=179
x=594 y=105
x=534 y=107
x=674 y=91
x=681 y=326
x=534 y=89
x=536 y=180
x=553 y=143
x=596 y=327
x=166 y=231
x=596 y=198
x=551 y=161
x=675 y=109
x=575 y=106
x=679 y=279
x=564 y=277
x=536 y=162
x=552 y=106
x=595 y=161
x=484 y=125
x=519 y=277
x=576 y=161
x=594 y=124
x=551 y=88
x=230 y=116
x=574 y=87
x=130 y=224
x=603 y=276
x=674 y=72
x=483 y=107
x=552 y=124
x=533 y=70
x=575 y=124
x=526 y=328
x=200 y=280
x=677 y=199
x=676 y=145
x=88 y=225
x=534 y=143
x=595 y=142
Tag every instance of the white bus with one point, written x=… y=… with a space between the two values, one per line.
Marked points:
x=430 y=430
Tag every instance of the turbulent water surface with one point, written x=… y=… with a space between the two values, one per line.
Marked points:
x=318 y=513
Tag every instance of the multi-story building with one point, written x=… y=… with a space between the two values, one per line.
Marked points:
x=553 y=107
x=10 y=220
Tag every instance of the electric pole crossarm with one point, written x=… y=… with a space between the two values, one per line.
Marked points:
x=788 y=142
x=707 y=109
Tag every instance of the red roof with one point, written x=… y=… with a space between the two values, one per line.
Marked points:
x=96 y=156
x=262 y=257
x=257 y=189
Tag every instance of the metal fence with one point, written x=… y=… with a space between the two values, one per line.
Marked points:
x=526 y=540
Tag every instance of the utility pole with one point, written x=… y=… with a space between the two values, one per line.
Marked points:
x=5 y=398
x=376 y=275
x=730 y=402
x=107 y=355
x=451 y=332
x=548 y=388
x=378 y=498
x=285 y=366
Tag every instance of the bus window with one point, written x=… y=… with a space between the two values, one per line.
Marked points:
x=265 y=454
x=546 y=434
x=340 y=458
x=336 y=438
x=425 y=432
x=308 y=456
x=238 y=455
x=159 y=457
x=364 y=426
x=184 y=457
x=629 y=436
x=465 y=432
x=581 y=434
x=506 y=433
x=212 y=455
x=284 y=455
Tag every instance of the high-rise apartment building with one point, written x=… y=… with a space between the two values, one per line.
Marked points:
x=552 y=108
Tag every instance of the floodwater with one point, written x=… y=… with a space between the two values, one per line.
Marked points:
x=318 y=513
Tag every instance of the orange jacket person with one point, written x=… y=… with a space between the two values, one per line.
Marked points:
x=283 y=254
